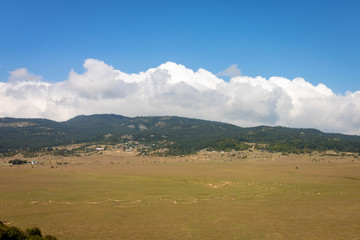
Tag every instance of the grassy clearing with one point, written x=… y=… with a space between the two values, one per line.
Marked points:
x=198 y=197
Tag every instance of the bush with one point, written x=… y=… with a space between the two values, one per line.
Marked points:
x=34 y=231
x=17 y=162
x=14 y=233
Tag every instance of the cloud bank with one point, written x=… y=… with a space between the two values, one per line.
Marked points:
x=173 y=89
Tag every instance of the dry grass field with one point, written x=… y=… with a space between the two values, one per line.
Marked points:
x=243 y=195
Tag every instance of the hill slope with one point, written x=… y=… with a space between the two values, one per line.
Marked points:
x=179 y=135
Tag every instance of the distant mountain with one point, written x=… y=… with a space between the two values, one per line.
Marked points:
x=179 y=135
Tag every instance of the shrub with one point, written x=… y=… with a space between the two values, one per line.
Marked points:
x=14 y=233
x=17 y=162
x=34 y=231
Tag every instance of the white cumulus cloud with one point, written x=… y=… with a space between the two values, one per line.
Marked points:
x=173 y=89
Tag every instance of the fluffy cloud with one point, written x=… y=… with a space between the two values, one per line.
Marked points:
x=172 y=89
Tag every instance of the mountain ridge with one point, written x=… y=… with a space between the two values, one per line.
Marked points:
x=180 y=135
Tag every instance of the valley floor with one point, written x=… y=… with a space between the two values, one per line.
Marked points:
x=210 y=195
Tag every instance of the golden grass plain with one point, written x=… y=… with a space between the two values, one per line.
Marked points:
x=209 y=195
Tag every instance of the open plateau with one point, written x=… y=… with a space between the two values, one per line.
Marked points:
x=148 y=182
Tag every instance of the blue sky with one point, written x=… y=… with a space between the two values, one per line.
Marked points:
x=298 y=61
x=315 y=40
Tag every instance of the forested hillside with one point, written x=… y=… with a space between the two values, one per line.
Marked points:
x=177 y=135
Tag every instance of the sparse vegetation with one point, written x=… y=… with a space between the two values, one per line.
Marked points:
x=210 y=195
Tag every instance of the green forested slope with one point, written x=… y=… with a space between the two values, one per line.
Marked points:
x=180 y=135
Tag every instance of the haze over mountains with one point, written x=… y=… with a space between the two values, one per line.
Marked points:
x=177 y=134
x=173 y=89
